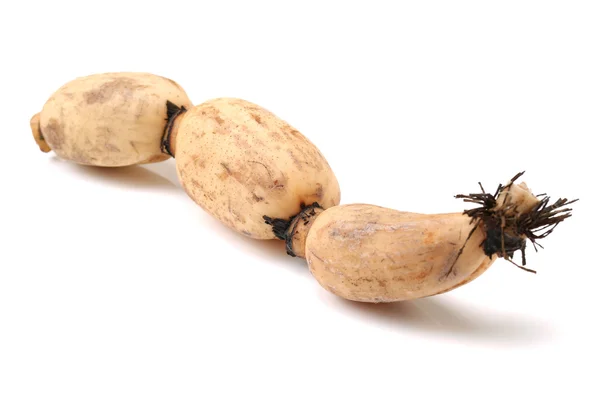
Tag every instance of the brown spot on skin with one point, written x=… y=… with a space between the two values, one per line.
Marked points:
x=229 y=206
x=80 y=157
x=199 y=162
x=278 y=185
x=241 y=142
x=208 y=195
x=226 y=167
x=429 y=237
x=395 y=266
x=332 y=290
x=265 y=167
x=196 y=184
x=132 y=143
x=289 y=131
x=103 y=141
x=54 y=134
x=316 y=256
x=295 y=160
x=365 y=280
x=319 y=192
x=308 y=156
x=422 y=275
x=277 y=136
x=141 y=108
x=183 y=173
x=210 y=111
x=257 y=118
x=112 y=148
x=234 y=174
x=381 y=283
x=322 y=157
x=121 y=86
x=295 y=133
x=257 y=198
x=246 y=105
x=251 y=174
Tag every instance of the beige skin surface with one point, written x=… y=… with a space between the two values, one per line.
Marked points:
x=373 y=254
x=240 y=162
x=110 y=120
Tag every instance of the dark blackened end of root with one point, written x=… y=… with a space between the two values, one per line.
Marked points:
x=283 y=229
x=280 y=226
x=505 y=232
x=173 y=111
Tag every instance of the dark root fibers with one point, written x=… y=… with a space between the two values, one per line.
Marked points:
x=173 y=110
x=283 y=229
x=505 y=230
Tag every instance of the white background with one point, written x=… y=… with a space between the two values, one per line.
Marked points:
x=115 y=285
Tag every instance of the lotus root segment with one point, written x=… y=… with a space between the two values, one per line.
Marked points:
x=240 y=162
x=109 y=120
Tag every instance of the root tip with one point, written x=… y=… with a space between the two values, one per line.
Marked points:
x=34 y=123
